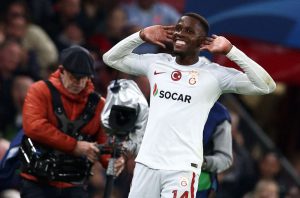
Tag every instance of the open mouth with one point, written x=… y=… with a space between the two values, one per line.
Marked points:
x=180 y=43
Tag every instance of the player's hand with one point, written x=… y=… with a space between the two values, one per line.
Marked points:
x=119 y=165
x=216 y=44
x=157 y=34
x=87 y=149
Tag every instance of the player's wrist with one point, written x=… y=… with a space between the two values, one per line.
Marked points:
x=228 y=49
x=232 y=52
x=142 y=34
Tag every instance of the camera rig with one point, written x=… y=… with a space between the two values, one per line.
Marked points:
x=124 y=118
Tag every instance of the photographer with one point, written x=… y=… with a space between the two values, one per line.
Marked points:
x=61 y=121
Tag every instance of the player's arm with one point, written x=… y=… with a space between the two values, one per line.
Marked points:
x=121 y=57
x=255 y=81
x=222 y=151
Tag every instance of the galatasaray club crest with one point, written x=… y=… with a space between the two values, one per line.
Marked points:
x=193 y=77
x=183 y=181
x=176 y=75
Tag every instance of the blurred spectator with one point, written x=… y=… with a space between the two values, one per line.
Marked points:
x=178 y=4
x=11 y=63
x=264 y=189
x=72 y=34
x=92 y=16
x=11 y=56
x=20 y=85
x=294 y=192
x=14 y=30
x=40 y=11
x=32 y=37
x=238 y=179
x=269 y=166
x=94 y=13
x=18 y=90
x=103 y=74
x=115 y=30
x=65 y=11
x=144 y=13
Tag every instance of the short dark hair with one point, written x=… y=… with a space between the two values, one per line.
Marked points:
x=201 y=19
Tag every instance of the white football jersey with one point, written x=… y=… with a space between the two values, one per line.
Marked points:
x=181 y=98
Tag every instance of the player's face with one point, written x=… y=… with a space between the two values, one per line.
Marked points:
x=187 y=36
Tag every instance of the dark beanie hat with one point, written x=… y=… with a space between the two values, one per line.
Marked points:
x=78 y=61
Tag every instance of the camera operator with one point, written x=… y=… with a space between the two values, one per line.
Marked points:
x=62 y=128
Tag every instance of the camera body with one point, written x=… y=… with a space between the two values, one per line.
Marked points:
x=122 y=120
x=125 y=114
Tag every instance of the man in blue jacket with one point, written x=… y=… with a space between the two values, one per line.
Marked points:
x=217 y=143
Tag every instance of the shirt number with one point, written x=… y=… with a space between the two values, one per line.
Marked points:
x=184 y=195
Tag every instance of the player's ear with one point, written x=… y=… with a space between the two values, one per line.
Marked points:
x=200 y=41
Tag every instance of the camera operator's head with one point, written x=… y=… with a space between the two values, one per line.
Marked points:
x=77 y=67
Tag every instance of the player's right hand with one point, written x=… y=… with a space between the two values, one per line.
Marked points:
x=157 y=34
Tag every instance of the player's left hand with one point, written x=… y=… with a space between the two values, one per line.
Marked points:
x=216 y=44
x=119 y=165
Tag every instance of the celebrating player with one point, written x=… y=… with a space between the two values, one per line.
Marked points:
x=184 y=88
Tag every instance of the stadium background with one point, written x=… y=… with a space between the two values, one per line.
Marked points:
x=265 y=128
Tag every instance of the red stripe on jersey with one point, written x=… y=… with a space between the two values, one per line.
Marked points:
x=192 y=185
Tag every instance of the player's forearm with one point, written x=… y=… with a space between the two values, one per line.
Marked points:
x=256 y=74
x=116 y=54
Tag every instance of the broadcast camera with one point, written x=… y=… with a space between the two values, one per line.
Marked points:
x=124 y=118
x=121 y=120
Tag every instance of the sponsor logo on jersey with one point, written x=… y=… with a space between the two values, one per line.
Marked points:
x=156 y=72
x=155 y=90
x=171 y=95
